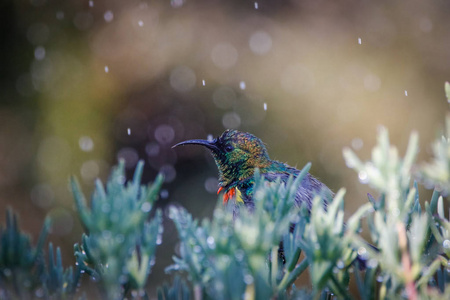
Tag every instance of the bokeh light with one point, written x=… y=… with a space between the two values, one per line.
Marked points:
x=87 y=83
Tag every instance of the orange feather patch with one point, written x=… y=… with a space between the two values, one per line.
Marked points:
x=228 y=194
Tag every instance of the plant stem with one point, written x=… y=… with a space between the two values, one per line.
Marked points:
x=290 y=277
x=342 y=292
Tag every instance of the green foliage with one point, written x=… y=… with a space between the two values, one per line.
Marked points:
x=23 y=271
x=227 y=258
x=178 y=291
x=257 y=254
x=119 y=245
x=235 y=258
x=437 y=172
x=407 y=256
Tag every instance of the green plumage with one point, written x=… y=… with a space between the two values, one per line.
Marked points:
x=237 y=154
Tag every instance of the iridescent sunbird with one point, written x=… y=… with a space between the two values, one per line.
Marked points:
x=237 y=154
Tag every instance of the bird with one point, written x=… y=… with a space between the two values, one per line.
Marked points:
x=238 y=154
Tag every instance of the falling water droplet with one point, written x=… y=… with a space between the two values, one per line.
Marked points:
x=363 y=177
x=242 y=85
x=140 y=23
x=248 y=279
x=108 y=16
x=91 y=3
x=265 y=106
x=203 y=82
x=211 y=243
x=146 y=207
x=256 y=5
x=406 y=93
x=164 y=194
x=362 y=251
x=129 y=131
x=359 y=41
x=106 y=69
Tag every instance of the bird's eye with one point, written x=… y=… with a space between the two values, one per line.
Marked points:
x=228 y=148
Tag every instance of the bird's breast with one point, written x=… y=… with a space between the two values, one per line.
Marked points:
x=231 y=193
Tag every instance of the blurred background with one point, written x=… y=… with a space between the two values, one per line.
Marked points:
x=83 y=83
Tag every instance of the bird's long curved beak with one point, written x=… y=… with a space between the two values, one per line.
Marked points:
x=208 y=144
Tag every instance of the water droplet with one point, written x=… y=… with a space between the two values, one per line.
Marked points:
x=363 y=178
x=231 y=120
x=86 y=143
x=169 y=172
x=140 y=23
x=130 y=155
x=108 y=16
x=239 y=254
x=265 y=106
x=39 y=53
x=211 y=185
x=256 y=5
x=357 y=143
x=182 y=79
x=211 y=243
x=210 y=138
x=164 y=194
x=242 y=85
x=176 y=3
x=380 y=278
x=446 y=244
x=248 y=279
x=171 y=212
x=91 y=3
x=203 y=82
x=406 y=93
x=362 y=251
x=146 y=207
x=128 y=131
x=340 y=264
x=106 y=69
x=260 y=42
x=152 y=149
x=359 y=41
x=372 y=263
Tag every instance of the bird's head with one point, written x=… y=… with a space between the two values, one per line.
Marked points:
x=236 y=153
